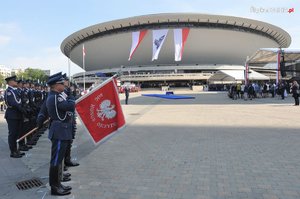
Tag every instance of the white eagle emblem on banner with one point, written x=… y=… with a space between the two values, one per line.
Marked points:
x=158 y=42
x=106 y=110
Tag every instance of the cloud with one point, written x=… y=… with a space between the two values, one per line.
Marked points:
x=4 y=40
x=7 y=32
x=9 y=28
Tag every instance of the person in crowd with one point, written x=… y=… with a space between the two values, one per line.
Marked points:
x=246 y=92
x=126 y=91
x=233 y=91
x=238 y=90
x=2 y=104
x=273 y=89
x=256 y=90
x=251 y=92
x=282 y=90
x=242 y=90
x=266 y=89
x=295 y=92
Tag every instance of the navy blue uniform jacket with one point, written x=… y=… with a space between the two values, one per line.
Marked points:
x=60 y=111
x=14 y=104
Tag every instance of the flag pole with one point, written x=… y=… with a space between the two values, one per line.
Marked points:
x=31 y=131
x=83 y=64
x=278 y=66
x=69 y=68
x=99 y=85
x=247 y=71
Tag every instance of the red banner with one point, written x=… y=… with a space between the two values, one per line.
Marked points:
x=100 y=111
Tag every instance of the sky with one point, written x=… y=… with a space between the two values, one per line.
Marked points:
x=32 y=31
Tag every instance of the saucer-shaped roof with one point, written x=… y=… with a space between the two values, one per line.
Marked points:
x=213 y=39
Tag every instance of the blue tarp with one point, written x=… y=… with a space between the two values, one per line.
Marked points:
x=99 y=74
x=168 y=96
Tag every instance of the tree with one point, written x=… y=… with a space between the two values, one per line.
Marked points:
x=2 y=81
x=33 y=74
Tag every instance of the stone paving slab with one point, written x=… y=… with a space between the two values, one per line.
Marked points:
x=210 y=147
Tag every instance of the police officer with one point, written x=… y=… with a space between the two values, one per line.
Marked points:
x=20 y=86
x=13 y=115
x=41 y=118
x=69 y=95
x=24 y=129
x=38 y=100
x=60 y=133
x=43 y=113
x=26 y=103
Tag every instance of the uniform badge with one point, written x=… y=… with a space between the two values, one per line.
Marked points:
x=8 y=93
x=60 y=99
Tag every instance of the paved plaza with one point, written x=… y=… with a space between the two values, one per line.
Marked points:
x=210 y=147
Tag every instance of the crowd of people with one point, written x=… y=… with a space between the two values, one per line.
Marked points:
x=264 y=90
x=30 y=106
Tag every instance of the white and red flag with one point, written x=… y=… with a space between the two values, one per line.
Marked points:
x=100 y=111
x=180 y=37
x=246 y=73
x=137 y=37
x=83 y=51
x=159 y=37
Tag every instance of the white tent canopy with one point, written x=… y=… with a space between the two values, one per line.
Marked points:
x=269 y=55
x=236 y=75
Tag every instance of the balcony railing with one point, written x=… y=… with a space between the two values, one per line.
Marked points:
x=88 y=79
x=162 y=77
x=151 y=77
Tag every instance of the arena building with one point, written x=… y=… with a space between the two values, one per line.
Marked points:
x=214 y=43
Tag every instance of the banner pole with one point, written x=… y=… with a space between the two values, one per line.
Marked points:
x=83 y=64
x=247 y=71
x=30 y=132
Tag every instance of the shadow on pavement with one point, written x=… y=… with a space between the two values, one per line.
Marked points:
x=142 y=160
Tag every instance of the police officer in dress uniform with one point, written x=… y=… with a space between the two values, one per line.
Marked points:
x=41 y=118
x=24 y=129
x=69 y=95
x=26 y=103
x=20 y=86
x=43 y=113
x=13 y=116
x=38 y=100
x=60 y=133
